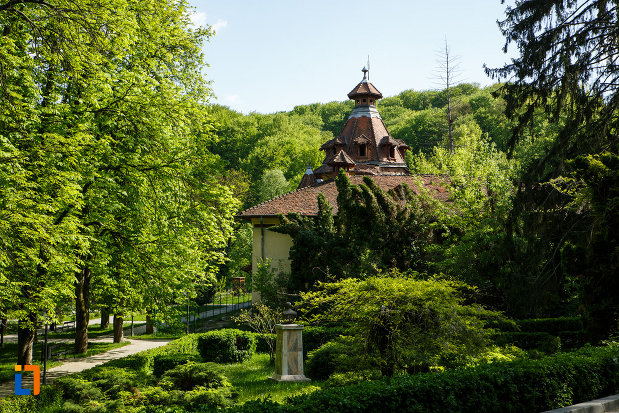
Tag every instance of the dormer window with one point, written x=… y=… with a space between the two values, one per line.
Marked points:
x=363 y=150
x=392 y=151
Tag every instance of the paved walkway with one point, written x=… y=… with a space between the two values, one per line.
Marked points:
x=77 y=365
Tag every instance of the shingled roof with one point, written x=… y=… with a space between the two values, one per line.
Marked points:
x=304 y=201
x=365 y=88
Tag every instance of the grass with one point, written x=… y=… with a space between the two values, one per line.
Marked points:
x=8 y=356
x=251 y=380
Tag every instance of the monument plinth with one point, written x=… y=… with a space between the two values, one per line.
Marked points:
x=289 y=353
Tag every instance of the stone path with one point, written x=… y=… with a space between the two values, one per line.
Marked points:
x=77 y=365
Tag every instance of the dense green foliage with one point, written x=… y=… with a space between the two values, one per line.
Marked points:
x=558 y=231
x=401 y=323
x=104 y=199
x=373 y=231
x=518 y=386
x=165 y=362
x=227 y=346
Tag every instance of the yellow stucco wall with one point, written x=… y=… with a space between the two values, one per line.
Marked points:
x=276 y=246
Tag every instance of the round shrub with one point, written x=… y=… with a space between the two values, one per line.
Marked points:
x=227 y=346
x=165 y=362
x=329 y=358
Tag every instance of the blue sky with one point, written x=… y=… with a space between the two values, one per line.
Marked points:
x=272 y=55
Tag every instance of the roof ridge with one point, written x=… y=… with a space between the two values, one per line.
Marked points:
x=277 y=197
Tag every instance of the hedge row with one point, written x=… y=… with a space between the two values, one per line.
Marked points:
x=545 y=342
x=520 y=386
x=550 y=325
x=227 y=346
x=538 y=325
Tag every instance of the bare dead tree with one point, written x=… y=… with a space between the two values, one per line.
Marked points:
x=448 y=75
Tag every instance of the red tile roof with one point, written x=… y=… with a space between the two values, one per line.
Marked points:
x=304 y=201
x=341 y=158
x=365 y=88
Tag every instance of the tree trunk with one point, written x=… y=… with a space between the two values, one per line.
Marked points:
x=150 y=326
x=105 y=318
x=2 y=327
x=25 y=337
x=82 y=310
x=118 y=328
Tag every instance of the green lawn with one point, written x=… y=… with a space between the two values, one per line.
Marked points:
x=251 y=380
x=8 y=356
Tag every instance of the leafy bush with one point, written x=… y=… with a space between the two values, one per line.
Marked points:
x=403 y=323
x=493 y=354
x=113 y=380
x=189 y=375
x=79 y=389
x=49 y=397
x=519 y=386
x=228 y=345
x=165 y=362
x=330 y=358
x=185 y=345
x=314 y=337
x=350 y=378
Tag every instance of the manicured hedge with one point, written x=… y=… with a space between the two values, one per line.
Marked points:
x=544 y=342
x=553 y=326
x=261 y=342
x=520 y=386
x=227 y=346
x=314 y=337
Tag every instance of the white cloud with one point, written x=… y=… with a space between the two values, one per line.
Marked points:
x=219 y=25
x=198 y=19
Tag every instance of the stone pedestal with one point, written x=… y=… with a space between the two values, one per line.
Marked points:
x=289 y=353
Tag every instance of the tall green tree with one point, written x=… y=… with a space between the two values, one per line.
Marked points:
x=109 y=187
x=373 y=231
x=567 y=68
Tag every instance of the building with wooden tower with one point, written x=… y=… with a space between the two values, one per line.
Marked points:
x=363 y=148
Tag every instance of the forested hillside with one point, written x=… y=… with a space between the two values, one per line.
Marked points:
x=260 y=145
